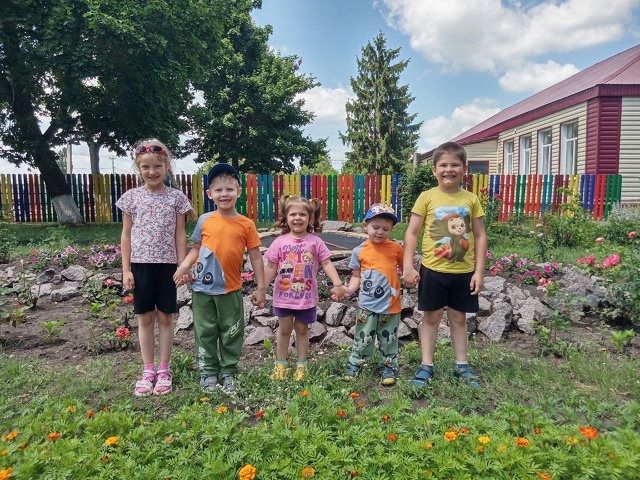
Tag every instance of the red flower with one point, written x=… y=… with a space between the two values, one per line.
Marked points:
x=260 y=414
x=354 y=474
x=589 y=432
x=123 y=332
x=392 y=437
x=128 y=299
x=632 y=235
x=386 y=418
x=341 y=413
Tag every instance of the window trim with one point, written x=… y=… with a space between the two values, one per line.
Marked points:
x=540 y=164
x=507 y=155
x=524 y=165
x=565 y=150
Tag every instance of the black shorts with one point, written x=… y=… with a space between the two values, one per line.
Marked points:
x=438 y=290
x=154 y=287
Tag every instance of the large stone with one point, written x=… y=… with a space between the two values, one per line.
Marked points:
x=408 y=303
x=271 y=322
x=184 y=295
x=185 y=318
x=46 y=276
x=531 y=311
x=67 y=291
x=336 y=337
x=349 y=318
x=336 y=225
x=495 y=284
x=334 y=314
x=258 y=335
x=75 y=273
x=316 y=330
x=404 y=331
x=497 y=323
x=41 y=290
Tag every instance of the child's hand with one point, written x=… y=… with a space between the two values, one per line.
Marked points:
x=339 y=293
x=259 y=298
x=476 y=284
x=183 y=275
x=410 y=278
x=128 y=281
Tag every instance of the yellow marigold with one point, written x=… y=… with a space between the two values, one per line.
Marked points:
x=571 y=440
x=484 y=440
x=611 y=455
x=354 y=395
x=589 y=432
x=428 y=446
x=111 y=441
x=248 y=472
x=305 y=393
x=4 y=452
x=543 y=476
x=222 y=409
x=5 y=474
x=307 y=472
x=522 y=442
x=204 y=399
x=54 y=436
x=12 y=435
x=450 y=436
x=71 y=408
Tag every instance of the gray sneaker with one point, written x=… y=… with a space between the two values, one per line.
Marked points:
x=229 y=381
x=209 y=383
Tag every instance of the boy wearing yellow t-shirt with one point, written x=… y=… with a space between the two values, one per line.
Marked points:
x=454 y=249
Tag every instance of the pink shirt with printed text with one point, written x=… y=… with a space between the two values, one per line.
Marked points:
x=298 y=260
x=153 y=230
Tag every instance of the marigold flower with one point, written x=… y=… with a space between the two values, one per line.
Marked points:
x=260 y=414
x=71 y=408
x=571 y=440
x=450 y=436
x=248 y=472
x=203 y=399
x=502 y=448
x=12 y=435
x=354 y=395
x=111 y=441
x=386 y=418
x=89 y=413
x=106 y=409
x=360 y=404
x=543 y=476
x=341 y=413
x=308 y=472
x=128 y=299
x=222 y=409
x=589 y=432
x=537 y=431
x=480 y=449
x=54 y=436
x=611 y=455
x=522 y=442
x=392 y=437
x=428 y=446
x=305 y=393
x=484 y=440
x=463 y=431
x=354 y=474
x=4 y=452
x=22 y=446
x=104 y=458
x=6 y=474
x=632 y=235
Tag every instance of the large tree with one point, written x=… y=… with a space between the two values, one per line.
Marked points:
x=106 y=72
x=252 y=115
x=379 y=128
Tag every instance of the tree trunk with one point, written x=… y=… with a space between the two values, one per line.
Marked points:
x=94 y=156
x=67 y=210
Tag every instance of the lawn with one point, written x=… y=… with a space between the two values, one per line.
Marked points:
x=570 y=415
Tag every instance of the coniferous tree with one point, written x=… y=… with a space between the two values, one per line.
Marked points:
x=379 y=128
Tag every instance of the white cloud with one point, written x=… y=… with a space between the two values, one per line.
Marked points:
x=442 y=129
x=327 y=104
x=494 y=36
x=534 y=77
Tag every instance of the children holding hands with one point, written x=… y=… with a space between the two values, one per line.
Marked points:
x=293 y=260
x=220 y=239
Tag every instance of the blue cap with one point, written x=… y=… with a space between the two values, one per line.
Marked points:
x=220 y=168
x=381 y=209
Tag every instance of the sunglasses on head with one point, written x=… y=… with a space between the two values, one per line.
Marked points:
x=149 y=149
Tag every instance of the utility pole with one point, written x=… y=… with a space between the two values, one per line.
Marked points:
x=113 y=166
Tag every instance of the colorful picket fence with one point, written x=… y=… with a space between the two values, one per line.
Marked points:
x=344 y=197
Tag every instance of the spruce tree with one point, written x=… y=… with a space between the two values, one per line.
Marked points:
x=380 y=131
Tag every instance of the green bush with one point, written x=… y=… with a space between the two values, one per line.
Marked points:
x=421 y=179
x=621 y=221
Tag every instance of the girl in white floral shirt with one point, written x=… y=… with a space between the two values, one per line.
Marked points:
x=153 y=243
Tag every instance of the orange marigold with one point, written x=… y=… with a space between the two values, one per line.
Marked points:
x=104 y=458
x=480 y=449
x=360 y=404
x=354 y=474
x=54 y=436
x=543 y=476
x=354 y=395
x=386 y=418
x=203 y=399
x=5 y=474
x=307 y=472
x=305 y=393
x=222 y=409
x=589 y=432
x=537 y=431
x=341 y=413
x=522 y=442
x=248 y=472
x=12 y=435
x=428 y=446
x=450 y=436
x=111 y=441
x=392 y=437
x=463 y=431
x=260 y=414
x=4 y=452
x=89 y=413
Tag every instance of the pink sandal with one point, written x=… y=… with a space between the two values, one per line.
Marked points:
x=163 y=383
x=145 y=386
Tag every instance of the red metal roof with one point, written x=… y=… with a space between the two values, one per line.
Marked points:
x=618 y=76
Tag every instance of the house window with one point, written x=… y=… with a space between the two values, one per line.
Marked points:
x=478 y=167
x=507 y=168
x=525 y=155
x=544 y=152
x=568 y=148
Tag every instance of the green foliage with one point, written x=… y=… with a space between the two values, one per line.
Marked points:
x=322 y=167
x=621 y=339
x=7 y=239
x=571 y=226
x=52 y=329
x=622 y=220
x=379 y=128
x=419 y=180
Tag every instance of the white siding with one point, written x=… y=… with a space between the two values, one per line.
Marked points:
x=483 y=152
x=630 y=149
x=577 y=112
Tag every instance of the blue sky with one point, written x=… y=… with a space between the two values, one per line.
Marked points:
x=469 y=59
